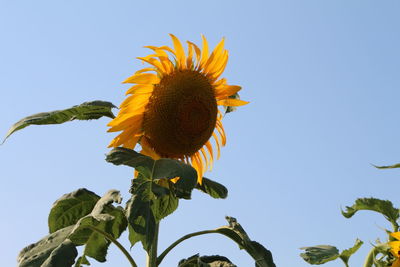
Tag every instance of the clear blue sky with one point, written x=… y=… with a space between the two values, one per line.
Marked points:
x=322 y=78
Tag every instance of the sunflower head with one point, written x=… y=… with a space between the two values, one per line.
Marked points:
x=172 y=108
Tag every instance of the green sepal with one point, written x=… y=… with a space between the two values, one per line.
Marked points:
x=36 y=254
x=212 y=188
x=206 y=261
x=85 y=111
x=320 y=254
x=385 y=207
x=68 y=209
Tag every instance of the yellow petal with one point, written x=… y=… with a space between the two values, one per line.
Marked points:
x=215 y=56
x=396 y=235
x=396 y=263
x=204 y=51
x=140 y=89
x=132 y=122
x=232 y=102
x=197 y=51
x=152 y=61
x=179 y=51
x=218 y=144
x=144 y=70
x=143 y=78
x=226 y=91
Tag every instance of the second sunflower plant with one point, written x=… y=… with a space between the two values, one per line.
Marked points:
x=173 y=116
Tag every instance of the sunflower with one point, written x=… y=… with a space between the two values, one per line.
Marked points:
x=172 y=108
x=395 y=249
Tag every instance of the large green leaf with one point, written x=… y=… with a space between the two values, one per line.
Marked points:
x=56 y=248
x=70 y=208
x=320 y=254
x=346 y=254
x=206 y=261
x=150 y=202
x=214 y=189
x=85 y=111
x=36 y=254
x=385 y=207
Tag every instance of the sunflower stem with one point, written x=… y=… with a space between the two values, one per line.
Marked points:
x=152 y=253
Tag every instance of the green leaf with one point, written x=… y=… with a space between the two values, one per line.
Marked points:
x=259 y=253
x=36 y=254
x=150 y=168
x=142 y=222
x=82 y=261
x=345 y=255
x=164 y=205
x=146 y=208
x=214 y=189
x=63 y=256
x=206 y=261
x=320 y=254
x=56 y=249
x=104 y=217
x=70 y=208
x=156 y=169
x=388 y=167
x=385 y=207
x=85 y=111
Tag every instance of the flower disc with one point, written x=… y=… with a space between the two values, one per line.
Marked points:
x=181 y=114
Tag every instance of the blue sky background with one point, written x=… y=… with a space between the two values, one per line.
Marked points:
x=323 y=81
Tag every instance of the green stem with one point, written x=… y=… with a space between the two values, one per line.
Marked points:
x=183 y=238
x=369 y=260
x=152 y=254
x=112 y=239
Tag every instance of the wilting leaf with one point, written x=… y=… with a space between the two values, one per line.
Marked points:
x=320 y=254
x=104 y=217
x=385 y=207
x=388 y=167
x=345 y=255
x=70 y=208
x=206 y=261
x=36 y=254
x=214 y=189
x=260 y=254
x=85 y=111
x=56 y=248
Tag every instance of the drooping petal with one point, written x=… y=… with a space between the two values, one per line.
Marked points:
x=143 y=78
x=232 y=102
